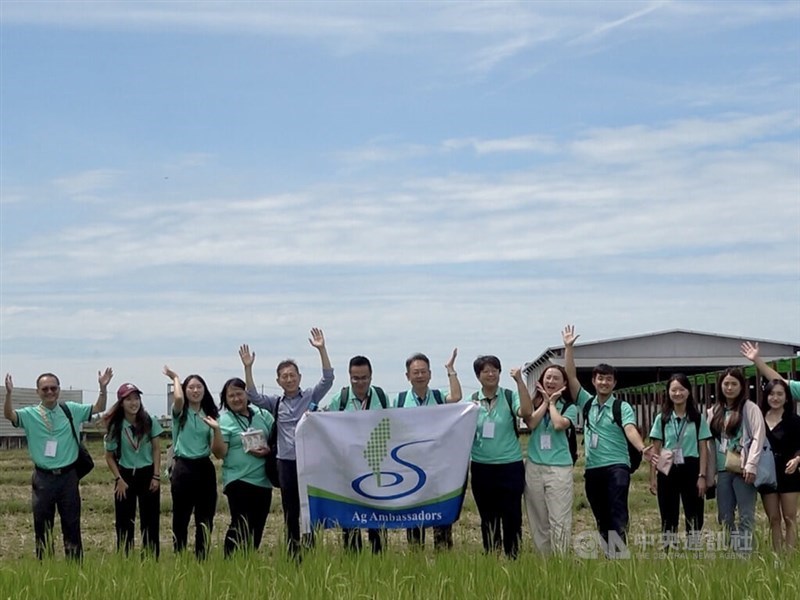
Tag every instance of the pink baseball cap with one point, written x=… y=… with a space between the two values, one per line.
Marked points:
x=126 y=389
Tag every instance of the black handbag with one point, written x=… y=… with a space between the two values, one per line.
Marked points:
x=84 y=463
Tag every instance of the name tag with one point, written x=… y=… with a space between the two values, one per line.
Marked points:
x=50 y=447
x=677 y=456
x=488 y=429
x=593 y=439
x=544 y=442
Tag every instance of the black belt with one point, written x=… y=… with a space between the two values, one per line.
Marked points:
x=59 y=471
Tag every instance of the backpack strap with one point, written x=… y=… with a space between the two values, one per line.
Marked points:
x=381 y=397
x=586 y=408
x=343 y=396
x=510 y=399
x=616 y=413
x=67 y=412
x=437 y=395
x=401 y=399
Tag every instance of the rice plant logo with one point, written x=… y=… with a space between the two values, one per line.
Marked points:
x=375 y=453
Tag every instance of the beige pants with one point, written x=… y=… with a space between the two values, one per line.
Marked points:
x=548 y=501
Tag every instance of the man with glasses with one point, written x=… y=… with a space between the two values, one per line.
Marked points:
x=287 y=408
x=360 y=395
x=418 y=373
x=53 y=447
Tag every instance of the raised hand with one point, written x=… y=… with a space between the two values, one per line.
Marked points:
x=104 y=378
x=9 y=384
x=170 y=373
x=450 y=365
x=317 y=338
x=516 y=374
x=749 y=350
x=247 y=357
x=568 y=335
x=211 y=422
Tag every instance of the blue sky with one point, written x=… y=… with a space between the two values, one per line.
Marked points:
x=178 y=178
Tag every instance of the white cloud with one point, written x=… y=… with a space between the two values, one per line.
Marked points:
x=83 y=186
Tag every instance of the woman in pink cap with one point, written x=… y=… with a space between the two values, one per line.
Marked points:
x=134 y=456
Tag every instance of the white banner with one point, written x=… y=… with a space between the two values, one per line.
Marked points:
x=384 y=468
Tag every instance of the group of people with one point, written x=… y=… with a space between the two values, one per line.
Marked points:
x=693 y=453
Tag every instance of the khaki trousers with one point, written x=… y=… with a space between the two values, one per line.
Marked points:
x=548 y=502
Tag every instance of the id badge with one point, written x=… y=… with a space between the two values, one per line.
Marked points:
x=544 y=442
x=677 y=456
x=488 y=430
x=593 y=439
x=723 y=445
x=50 y=447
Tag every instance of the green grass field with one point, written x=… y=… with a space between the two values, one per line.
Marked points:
x=327 y=572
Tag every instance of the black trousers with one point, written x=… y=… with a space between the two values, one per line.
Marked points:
x=48 y=493
x=442 y=536
x=352 y=539
x=138 y=481
x=249 y=505
x=607 y=493
x=194 y=489
x=290 y=500
x=497 y=490
x=680 y=486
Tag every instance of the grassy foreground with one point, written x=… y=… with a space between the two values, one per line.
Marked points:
x=460 y=574
x=328 y=572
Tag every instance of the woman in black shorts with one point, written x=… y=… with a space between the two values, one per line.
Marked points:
x=783 y=433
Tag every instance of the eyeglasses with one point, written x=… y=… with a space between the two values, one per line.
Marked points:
x=49 y=388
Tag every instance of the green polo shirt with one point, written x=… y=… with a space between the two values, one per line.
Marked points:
x=353 y=404
x=794 y=387
x=412 y=400
x=239 y=465
x=134 y=453
x=674 y=428
x=612 y=445
x=193 y=440
x=733 y=443
x=558 y=454
x=43 y=425
x=503 y=446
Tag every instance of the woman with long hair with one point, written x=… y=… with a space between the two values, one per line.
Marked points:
x=133 y=454
x=681 y=429
x=783 y=433
x=548 y=469
x=193 y=478
x=240 y=440
x=738 y=428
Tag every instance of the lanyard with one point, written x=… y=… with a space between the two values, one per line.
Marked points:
x=358 y=403
x=679 y=432
x=46 y=419
x=134 y=442
x=239 y=421
x=599 y=416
